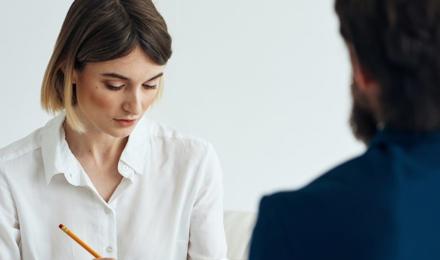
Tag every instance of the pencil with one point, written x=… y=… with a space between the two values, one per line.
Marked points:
x=79 y=241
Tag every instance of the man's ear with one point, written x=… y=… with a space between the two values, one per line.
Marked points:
x=365 y=82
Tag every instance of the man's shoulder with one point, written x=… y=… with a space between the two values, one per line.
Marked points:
x=342 y=185
x=355 y=174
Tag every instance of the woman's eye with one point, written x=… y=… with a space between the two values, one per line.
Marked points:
x=114 y=87
x=150 y=86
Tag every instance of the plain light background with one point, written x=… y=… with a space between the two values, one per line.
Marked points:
x=267 y=82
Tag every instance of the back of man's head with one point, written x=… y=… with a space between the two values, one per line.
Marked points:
x=398 y=43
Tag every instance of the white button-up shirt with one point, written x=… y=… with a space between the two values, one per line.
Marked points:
x=167 y=206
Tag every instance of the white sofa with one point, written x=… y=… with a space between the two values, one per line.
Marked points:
x=238 y=229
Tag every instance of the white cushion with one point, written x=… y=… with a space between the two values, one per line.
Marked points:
x=238 y=229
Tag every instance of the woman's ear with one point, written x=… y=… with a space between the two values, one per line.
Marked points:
x=74 y=77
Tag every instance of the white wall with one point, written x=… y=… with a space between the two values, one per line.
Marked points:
x=265 y=81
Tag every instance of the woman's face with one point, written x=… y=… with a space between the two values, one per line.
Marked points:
x=113 y=95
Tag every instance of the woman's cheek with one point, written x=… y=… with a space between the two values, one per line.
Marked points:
x=104 y=100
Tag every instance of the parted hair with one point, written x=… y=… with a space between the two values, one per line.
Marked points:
x=100 y=30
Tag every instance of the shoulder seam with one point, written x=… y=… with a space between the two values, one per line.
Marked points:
x=19 y=153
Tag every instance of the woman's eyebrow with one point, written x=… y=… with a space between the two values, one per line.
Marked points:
x=115 y=75
x=155 y=77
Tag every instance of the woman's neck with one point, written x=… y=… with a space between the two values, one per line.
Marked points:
x=95 y=146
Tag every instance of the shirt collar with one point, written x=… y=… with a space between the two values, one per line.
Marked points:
x=58 y=159
x=55 y=151
x=405 y=138
x=134 y=158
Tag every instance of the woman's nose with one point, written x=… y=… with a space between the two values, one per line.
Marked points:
x=133 y=102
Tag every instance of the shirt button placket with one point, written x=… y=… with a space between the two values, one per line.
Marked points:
x=110 y=249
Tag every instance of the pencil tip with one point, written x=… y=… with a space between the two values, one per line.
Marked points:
x=61 y=226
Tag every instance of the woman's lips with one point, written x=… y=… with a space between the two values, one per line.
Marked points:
x=125 y=122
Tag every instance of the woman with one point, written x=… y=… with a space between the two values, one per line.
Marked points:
x=129 y=187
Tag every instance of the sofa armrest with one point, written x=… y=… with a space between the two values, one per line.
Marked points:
x=238 y=228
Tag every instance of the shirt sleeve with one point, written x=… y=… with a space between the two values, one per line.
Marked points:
x=269 y=238
x=207 y=236
x=9 y=227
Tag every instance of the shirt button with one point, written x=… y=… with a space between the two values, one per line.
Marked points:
x=109 y=249
x=108 y=211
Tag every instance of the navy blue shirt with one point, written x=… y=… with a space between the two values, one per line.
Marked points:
x=384 y=204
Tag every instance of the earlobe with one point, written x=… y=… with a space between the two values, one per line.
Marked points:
x=363 y=79
x=358 y=74
x=74 y=77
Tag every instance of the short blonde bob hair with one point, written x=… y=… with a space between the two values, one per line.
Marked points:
x=100 y=30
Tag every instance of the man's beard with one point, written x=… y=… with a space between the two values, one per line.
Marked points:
x=363 y=122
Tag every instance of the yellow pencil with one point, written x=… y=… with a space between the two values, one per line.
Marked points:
x=79 y=241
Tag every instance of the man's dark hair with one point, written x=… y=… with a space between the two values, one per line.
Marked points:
x=398 y=43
